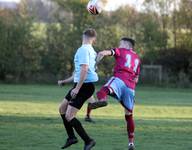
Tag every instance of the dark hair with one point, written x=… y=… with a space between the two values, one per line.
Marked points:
x=128 y=40
x=90 y=33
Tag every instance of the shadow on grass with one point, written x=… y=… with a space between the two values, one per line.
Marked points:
x=47 y=133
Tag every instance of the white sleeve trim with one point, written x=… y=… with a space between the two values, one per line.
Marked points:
x=112 y=52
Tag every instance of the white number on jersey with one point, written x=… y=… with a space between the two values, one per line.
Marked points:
x=128 y=63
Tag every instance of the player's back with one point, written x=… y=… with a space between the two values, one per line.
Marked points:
x=127 y=66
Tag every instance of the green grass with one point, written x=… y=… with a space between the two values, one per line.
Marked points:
x=29 y=120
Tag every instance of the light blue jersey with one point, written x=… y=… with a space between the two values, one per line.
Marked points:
x=85 y=55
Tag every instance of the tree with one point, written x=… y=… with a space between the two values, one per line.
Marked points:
x=184 y=22
x=19 y=56
x=64 y=37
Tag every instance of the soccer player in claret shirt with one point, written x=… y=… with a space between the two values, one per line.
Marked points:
x=122 y=85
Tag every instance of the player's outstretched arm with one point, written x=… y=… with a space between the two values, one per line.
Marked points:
x=102 y=54
x=65 y=81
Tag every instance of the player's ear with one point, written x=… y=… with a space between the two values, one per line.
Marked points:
x=94 y=40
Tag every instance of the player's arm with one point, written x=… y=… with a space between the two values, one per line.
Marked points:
x=65 y=81
x=84 y=66
x=83 y=75
x=104 y=53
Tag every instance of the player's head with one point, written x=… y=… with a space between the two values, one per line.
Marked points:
x=89 y=36
x=127 y=43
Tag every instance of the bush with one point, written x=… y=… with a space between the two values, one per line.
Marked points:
x=183 y=80
x=177 y=65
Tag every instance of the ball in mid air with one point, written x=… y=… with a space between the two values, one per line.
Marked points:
x=94 y=7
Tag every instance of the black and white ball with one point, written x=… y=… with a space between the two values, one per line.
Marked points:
x=94 y=7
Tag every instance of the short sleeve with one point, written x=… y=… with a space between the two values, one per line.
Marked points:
x=83 y=56
x=115 y=52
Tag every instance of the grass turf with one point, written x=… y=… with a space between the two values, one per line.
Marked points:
x=29 y=120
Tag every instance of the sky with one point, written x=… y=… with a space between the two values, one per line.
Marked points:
x=111 y=5
x=114 y=4
x=10 y=1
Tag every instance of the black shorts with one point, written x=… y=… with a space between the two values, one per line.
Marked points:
x=86 y=91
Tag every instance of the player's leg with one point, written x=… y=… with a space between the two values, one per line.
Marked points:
x=130 y=128
x=71 y=136
x=88 y=114
x=106 y=90
x=75 y=105
x=62 y=111
x=103 y=93
x=76 y=124
x=90 y=101
x=128 y=103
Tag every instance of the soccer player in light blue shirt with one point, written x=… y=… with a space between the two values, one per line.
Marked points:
x=84 y=78
x=85 y=55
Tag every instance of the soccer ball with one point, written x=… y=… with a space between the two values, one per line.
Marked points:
x=94 y=7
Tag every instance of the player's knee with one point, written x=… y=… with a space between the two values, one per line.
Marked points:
x=128 y=113
x=63 y=107
x=69 y=117
x=102 y=94
x=60 y=109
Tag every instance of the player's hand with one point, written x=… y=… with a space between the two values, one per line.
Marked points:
x=103 y=54
x=61 y=82
x=99 y=57
x=74 y=93
x=136 y=79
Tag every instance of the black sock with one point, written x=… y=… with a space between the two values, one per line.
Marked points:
x=68 y=127
x=80 y=130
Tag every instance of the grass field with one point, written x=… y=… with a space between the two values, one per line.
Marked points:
x=29 y=120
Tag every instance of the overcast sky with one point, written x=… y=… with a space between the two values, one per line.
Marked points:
x=111 y=5
x=114 y=4
x=9 y=0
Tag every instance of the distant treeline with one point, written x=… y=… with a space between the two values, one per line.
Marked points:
x=41 y=52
